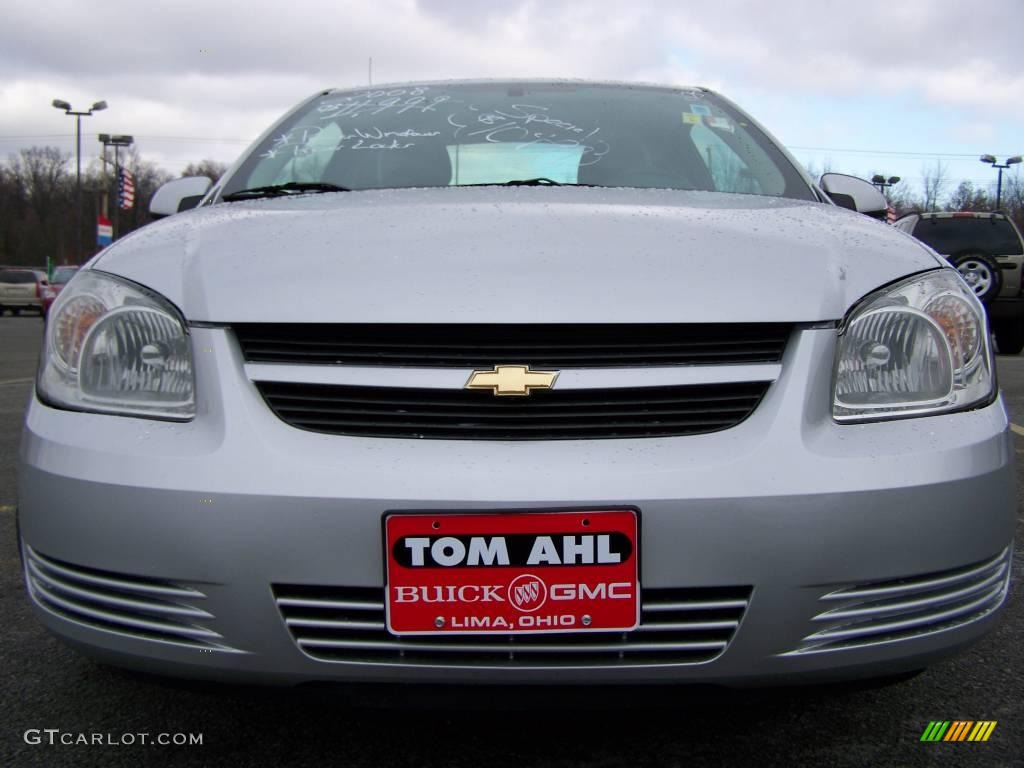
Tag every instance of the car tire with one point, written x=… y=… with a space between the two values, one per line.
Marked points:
x=1009 y=338
x=982 y=273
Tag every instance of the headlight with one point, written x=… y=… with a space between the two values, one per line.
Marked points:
x=114 y=347
x=916 y=348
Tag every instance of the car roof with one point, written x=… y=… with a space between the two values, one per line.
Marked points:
x=956 y=215
x=521 y=81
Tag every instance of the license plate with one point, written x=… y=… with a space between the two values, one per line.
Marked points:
x=522 y=572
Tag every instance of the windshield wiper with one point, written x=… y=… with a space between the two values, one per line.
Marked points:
x=280 y=190
x=540 y=181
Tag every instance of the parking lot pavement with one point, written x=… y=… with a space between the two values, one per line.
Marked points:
x=44 y=685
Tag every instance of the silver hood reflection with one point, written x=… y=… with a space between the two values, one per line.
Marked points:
x=525 y=254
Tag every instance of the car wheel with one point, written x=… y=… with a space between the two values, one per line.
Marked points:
x=1010 y=338
x=982 y=274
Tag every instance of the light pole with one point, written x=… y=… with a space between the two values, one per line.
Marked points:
x=116 y=142
x=96 y=107
x=999 y=184
x=884 y=183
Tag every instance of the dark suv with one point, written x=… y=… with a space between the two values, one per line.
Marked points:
x=988 y=250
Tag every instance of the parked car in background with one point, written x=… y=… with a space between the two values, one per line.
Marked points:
x=594 y=385
x=988 y=250
x=61 y=276
x=22 y=289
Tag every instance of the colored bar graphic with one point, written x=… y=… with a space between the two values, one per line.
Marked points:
x=982 y=730
x=959 y=730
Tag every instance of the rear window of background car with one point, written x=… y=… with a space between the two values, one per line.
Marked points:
x=16 y=276
x=950 y=236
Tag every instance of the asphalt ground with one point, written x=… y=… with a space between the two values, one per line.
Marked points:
x=44 y=685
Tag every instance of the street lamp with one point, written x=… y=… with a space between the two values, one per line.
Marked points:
x=882 y=183
x=96 y=107
x=999 y=184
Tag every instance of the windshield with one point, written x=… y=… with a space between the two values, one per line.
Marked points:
x=493 y=133
x=62 y=274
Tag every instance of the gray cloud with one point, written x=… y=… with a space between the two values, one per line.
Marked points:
x=225 y=69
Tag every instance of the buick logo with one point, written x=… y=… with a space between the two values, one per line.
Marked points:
x=527 y=593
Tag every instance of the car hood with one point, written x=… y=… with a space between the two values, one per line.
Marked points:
x=516 y=254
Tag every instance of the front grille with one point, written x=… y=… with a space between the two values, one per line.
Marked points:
x=677 y=626
x=889 y=611
x=473 y=346
x=129 y=605
x=575 y=414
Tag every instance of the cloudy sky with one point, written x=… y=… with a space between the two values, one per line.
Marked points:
x=872 y=86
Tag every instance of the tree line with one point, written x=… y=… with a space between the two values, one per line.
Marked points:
x=938 y=191
x=38 y=201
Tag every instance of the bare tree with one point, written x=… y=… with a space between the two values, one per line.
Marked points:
x=902 y=199
x=41 y=172
x=209 y=168
x=40 y=175
x=934 y=180
x=1013 y=197
x=815 y=172
x=966 y=197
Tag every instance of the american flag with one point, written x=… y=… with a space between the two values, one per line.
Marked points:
x=126 y=190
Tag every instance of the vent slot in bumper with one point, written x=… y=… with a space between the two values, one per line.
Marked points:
x=129 y=605
x=883 y=612
x=678 y=626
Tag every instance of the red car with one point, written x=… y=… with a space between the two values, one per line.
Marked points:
x=49 y=293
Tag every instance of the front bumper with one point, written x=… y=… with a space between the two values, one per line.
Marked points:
x=22 y=303
x=788 y=504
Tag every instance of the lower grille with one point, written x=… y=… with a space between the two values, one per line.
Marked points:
x=898 y=610
x=677 y=626
x=573 y=414
x=129 y=605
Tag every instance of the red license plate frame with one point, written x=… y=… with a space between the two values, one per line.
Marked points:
x=531 y=572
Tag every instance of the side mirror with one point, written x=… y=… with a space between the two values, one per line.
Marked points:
x=179 y=195
x=856 y=194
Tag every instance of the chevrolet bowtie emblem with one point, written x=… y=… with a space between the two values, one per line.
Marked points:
x=511 y=380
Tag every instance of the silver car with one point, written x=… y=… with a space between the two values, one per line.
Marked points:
x=495 y=382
